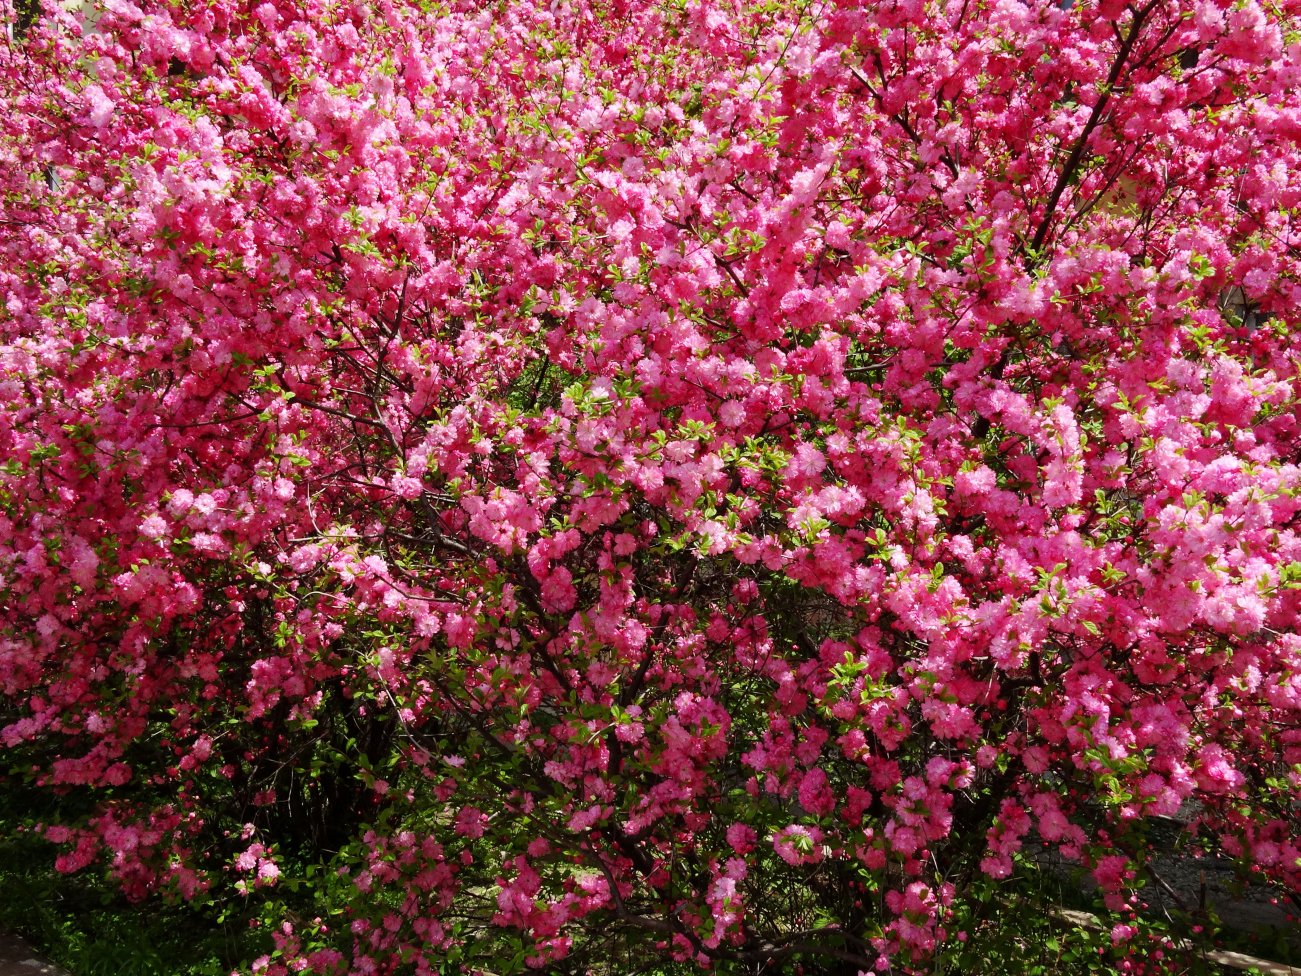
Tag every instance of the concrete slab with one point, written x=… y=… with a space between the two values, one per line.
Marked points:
x=17 y=958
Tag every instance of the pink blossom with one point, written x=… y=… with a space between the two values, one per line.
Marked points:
x=545 y=447
x=798 y=844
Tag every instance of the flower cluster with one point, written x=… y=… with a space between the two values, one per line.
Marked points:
x=718 y=481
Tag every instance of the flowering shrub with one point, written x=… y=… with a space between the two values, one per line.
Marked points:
x=711 y=481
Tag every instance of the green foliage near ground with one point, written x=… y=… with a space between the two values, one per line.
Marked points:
x=83 y=923
x=87 y=928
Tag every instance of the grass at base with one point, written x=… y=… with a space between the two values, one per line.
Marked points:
x=82 y=923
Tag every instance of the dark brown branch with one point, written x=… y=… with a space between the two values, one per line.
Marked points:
x=1072 y=166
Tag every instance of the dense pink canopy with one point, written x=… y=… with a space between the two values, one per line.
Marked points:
x=730 y=477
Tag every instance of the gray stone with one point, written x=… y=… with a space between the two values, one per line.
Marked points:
x=17 y=958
